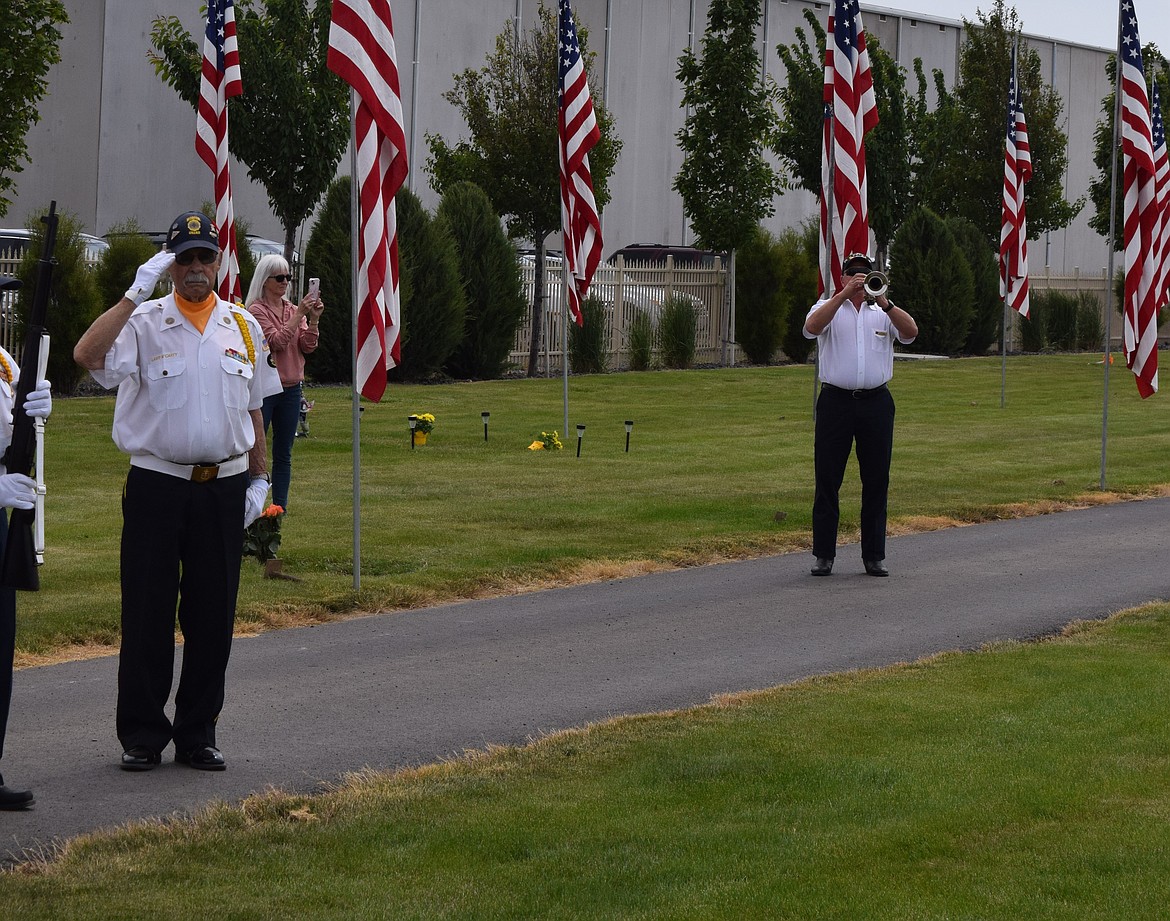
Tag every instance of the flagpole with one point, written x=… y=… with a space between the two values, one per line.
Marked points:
x=565 y=280
x=1112 y=252
x=1007 y=287
x=829 y=237
x=354 y=218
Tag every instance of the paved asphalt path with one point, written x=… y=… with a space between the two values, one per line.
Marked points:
x=306 y=705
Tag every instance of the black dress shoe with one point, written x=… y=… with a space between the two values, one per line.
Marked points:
x=11 y=800
x=202 y=758
x=876 y=568
x=823 y=566
x=140 y=758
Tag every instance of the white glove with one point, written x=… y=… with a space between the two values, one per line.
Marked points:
x=17 y=491
x=148 y=275
x=39 y=402
x=254 y=500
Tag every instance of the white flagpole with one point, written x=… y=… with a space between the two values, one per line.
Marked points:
x=1112 y=239
x=354 y=224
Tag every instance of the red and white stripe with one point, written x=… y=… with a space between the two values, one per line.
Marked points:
x=850 y=114
x=1013 y=235
x=577 y=134
x=362 y=52
x=1139 y=210
x=219 y=81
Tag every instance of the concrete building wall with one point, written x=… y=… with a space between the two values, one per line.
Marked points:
x=115 y=142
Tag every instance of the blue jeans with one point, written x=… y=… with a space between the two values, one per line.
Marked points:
x=282 y=412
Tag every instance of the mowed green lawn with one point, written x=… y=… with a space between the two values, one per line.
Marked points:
x=714 y=456
x=1023 y=781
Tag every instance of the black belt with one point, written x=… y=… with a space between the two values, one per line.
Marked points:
x=856 y=394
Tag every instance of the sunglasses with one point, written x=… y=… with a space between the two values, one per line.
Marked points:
x=206 y=256
x=283 y=279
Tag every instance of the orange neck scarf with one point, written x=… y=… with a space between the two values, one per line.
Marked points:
x=198 y=312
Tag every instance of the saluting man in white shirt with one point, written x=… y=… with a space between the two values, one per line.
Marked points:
x=192 y=372
x=855 y=349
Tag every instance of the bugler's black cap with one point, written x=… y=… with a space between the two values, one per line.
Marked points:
x=855 y=260
x=192 y=229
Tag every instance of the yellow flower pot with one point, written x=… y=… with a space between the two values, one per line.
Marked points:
x=420 y=438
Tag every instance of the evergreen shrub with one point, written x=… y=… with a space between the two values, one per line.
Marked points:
x=74 y=301
x=588 y=343
x=676 y=333
x=641 y=341
x=931 y=280
x=491 y=281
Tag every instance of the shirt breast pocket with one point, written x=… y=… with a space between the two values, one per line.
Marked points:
x=167 y=383
x=237 y=383
x=880 y=340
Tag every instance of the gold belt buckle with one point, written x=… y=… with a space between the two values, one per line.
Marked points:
x=204 y=473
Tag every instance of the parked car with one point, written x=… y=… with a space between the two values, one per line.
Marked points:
x=263 y=247
x=14 y=242
x=656 y=253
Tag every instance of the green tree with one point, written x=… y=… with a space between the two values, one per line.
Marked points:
x=800 y=246
x=959 y=163
x=726 y=183
x=987 y=308
x=1156 y=69
x=116 y=269
x=760 y=297
x=491 y=280
x=510 y=107
x=29 y=46
x=74 y=302
x=328 y=257
x=933 y=282
x=433 y=302
x=290 y=126
x=887 y=147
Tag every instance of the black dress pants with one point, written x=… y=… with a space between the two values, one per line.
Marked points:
x=844 y=419
x=7 y=638
x=181 y=545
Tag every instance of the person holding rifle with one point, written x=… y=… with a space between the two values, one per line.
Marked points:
x=16 y=491
x=192 y=372
x=855 y=335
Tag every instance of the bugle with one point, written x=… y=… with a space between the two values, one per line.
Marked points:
x=876 y=285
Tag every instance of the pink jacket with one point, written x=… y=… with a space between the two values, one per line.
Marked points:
x=289 y=348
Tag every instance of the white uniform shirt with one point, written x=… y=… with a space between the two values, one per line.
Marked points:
x=856 y=350
x=184 y=396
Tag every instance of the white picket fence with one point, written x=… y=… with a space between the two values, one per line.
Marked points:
x=627 y=289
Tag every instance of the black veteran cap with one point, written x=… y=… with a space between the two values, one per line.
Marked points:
x=192 y=229
x=858 y=261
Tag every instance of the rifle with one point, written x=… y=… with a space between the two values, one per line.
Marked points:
x=18 y=568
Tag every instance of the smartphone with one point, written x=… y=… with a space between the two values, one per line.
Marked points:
x=314 y=287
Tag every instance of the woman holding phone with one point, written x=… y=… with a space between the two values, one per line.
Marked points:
x=291 y=331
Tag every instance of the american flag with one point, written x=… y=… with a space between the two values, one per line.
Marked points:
x=1013 y=234
x=362 y=52
x=850 y=113
x=220 y=80
x=1162 y=178
x=577 y=133
x=1139 y=210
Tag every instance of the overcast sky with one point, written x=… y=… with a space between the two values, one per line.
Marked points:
x=1090 y=22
